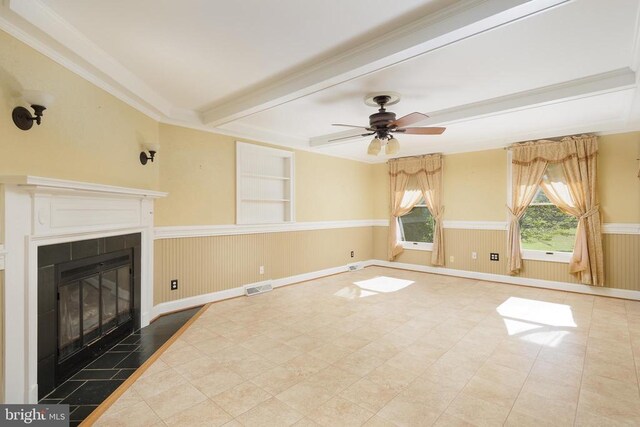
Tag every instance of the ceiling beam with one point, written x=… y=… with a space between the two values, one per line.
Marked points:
x=612 y=81
x=450 y=25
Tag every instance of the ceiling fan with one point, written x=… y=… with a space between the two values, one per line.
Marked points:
x=384 y=124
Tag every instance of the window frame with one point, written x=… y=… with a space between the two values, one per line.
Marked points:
x=408 y=244
x=533 y=254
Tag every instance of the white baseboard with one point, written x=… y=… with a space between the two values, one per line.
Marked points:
x=515 y=280
x=185 y=303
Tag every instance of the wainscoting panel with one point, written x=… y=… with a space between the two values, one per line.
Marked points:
x=622 y=252
x=209 y=264
x=622 y=260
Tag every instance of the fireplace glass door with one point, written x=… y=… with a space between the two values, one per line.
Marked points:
x=94 y=301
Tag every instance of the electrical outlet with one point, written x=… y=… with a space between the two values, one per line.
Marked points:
x=353 y=254
x=493 y=256
x=174 y=284
x=474 y=255
x=262 y=269
x=451 y=258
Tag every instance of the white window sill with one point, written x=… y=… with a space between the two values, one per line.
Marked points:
x=418 y=246
x=563 y=257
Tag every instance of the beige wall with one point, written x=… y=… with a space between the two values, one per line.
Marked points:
x=210 y=264
x=619 y=185
x=198 y=171
x=332 y=189
x=85 y=135
x=475 y=186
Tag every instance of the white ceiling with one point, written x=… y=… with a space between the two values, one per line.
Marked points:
x=282 y=71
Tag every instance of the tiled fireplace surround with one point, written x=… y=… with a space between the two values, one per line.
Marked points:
x=39 y=212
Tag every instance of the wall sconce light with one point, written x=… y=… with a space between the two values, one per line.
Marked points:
x=38 y=101
x=152 y=149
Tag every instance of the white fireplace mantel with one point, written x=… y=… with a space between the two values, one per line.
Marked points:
x=43 y=211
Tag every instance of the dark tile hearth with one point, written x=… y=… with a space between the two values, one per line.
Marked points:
x=93 y=384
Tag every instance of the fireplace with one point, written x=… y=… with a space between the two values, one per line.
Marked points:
x=49 y=224
x=88 y=300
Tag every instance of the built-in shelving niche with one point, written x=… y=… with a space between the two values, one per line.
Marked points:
x=264 y=185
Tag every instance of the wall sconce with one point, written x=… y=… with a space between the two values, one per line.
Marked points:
x=38 y=101
x=152 y=149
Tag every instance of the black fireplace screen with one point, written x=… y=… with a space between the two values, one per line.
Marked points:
x=94 y=302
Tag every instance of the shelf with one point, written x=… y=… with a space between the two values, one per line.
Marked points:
x=254 y=175
x=266 y=200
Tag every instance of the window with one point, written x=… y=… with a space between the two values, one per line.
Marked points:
x=264 y=185
x=416 y=227
x=546 y=228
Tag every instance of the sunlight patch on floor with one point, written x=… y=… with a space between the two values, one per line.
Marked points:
x=377 y=285
x=536 y=321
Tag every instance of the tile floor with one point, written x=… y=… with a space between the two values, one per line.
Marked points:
x=88 y=388
x=385 y=347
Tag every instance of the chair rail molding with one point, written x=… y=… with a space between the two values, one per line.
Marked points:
x=43 y=211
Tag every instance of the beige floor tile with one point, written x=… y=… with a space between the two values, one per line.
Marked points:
x=350 y=342
x=213 y=344
x=359 y=363
x=217 y=382
x=155 y=367
x=304 y=343
x=545 y=408
x=621 y=390
x=330 y=353
x=272 y=412
x=369 y=395
x=477 y=411
x=127 y=399
x=518 y=419
x=182 y=355
x=138 y=415
x=557 y=374
x=489 y=391
x=340 y=412
x=305 y=365
x=203 y=414
x=306 y=422
x=437 y=351
x=404 y=410
x=446 y=420
x=608 y=406
x=175 y=400
x=333 y=379
x=241 y=398
x=250 y=366
x=391 y=377
x=304 y=397
x=377 y=421
x=157 y=383
x=277 y=380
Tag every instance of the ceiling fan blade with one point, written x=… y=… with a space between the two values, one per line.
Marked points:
x=409 y=119
x=351 y=137
x=421 y=131
x=349 y=126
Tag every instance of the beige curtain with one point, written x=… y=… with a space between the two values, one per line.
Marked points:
x=411 y=178
x=566 y=171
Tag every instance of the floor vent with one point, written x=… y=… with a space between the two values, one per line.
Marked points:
x=354 y=267
x=258 y=288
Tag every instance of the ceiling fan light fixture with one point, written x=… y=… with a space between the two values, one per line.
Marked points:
x=374 y=147
x=392 y=147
